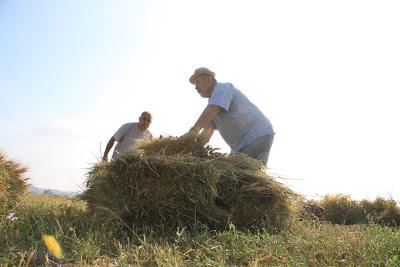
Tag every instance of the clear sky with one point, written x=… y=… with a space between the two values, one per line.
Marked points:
x=326 y=73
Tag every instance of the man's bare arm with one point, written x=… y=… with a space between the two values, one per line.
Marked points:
x=205 y=118
x=108 y=148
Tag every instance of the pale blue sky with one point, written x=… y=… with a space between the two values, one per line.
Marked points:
x=325 y=73
x=50 y=48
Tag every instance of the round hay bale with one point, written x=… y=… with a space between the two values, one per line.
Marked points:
x=12 y=184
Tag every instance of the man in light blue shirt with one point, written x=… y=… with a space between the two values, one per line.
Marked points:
x=241 y=124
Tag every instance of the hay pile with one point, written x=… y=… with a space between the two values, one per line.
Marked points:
x=254 y=198
x=12 y=184
x=156 y=190
x=341 y=209
x=179 y=181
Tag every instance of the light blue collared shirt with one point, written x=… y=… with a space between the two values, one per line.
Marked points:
x=239 y=122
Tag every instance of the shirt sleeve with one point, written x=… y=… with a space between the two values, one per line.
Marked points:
x=122 y=131
x=221 y=97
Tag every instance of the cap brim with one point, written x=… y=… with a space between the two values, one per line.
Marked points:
x=191 y=79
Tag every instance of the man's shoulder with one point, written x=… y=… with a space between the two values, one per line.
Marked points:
x=129 y=124
x=222 y=88
x=227 y=86
x=128 y=127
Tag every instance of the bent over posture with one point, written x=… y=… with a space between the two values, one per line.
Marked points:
x=241 y=124
x=127 y=135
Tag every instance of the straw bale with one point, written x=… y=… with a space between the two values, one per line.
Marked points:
x=172 y=181
x=12 y=183
x=254 y=198
x=310 y=210
x=341 y=209
x=188 y=144
x=156 y=190
x=382 y=211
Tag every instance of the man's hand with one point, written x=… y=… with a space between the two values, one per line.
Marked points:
x=105 y=158
x=191 y=134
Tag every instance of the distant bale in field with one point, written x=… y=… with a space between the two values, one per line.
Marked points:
x=341 y=209
x=180 y=181
x=12 y=183
x=382 y=211
x=310 y=210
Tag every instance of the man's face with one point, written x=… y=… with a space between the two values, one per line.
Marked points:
x=204 y=85
x=144 y=121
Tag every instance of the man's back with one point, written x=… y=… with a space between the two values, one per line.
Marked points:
x=240 y=121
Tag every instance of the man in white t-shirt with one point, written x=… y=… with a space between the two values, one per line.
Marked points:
x=127 y=135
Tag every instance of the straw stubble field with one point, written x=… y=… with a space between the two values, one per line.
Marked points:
x=85 y=241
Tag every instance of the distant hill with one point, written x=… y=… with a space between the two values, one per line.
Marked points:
x=46 y=191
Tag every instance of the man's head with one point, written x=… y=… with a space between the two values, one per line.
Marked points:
x=204 y=81
x=144 y=120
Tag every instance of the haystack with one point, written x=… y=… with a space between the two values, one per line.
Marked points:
x=12 y=184
x=180 y=181
x=156 y=190
x=342 y=209
x=254 y=198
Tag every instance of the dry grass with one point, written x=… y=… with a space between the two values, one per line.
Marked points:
x=255 y=198
x=85 y=242
x=12 y=184
x=156 y=190
x=188 y=144
x=341 y=209
x=180 y=181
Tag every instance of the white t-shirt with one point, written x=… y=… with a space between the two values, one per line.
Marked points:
x=126 y=136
